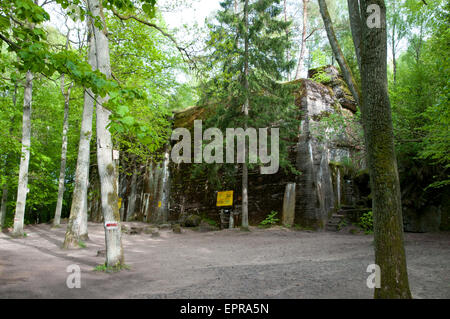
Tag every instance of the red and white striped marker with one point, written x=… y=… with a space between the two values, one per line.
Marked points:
x=111 y=225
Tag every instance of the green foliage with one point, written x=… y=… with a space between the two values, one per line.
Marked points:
x=366 y=222
x=143 y=91
x=420 y=104
x=209 y=221
x=321 y=77
x=270 y=220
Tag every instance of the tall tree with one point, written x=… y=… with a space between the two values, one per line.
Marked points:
x=62 y=171
x=248 y=60
x=397 y=30
x=22 y=188
x=246 y=110
x=368 y=19
x=77 y=224
x=108 y=185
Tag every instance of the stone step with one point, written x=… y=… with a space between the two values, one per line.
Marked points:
x=334 y=221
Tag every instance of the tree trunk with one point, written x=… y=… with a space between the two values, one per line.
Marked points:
x=132 y=199
x=385 y=186
x=355 y=16
x=300 y=65
x=22 y=188
x=394 y=58
x=288 y=53
x=77 y=225
x=62 y=171
x=108 y=185
x=337 y=52
x=246 y=111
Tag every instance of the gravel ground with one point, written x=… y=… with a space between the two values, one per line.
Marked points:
x=272 y=263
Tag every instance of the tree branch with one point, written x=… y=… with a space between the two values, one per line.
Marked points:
x=182 y=50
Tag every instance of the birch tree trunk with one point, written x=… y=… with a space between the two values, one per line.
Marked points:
x=22 y=188
x=382 y=162
x=337 y=52
x=62 y=171
x=77 y=225
x=108 y=185
x=301 y=58
x=246 y=111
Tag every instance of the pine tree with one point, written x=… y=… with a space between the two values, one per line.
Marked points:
x=248 y=59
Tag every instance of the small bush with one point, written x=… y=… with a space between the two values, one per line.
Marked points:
x=321 y=77
x=270 y=220
x=366 y=222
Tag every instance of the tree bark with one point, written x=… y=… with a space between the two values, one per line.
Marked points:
x=246 y=112
x=300 y=65
x=337 y=52
x=108 y=185
x=62 y=171
x=77 y=225
x=22 y=188
x=385 y=186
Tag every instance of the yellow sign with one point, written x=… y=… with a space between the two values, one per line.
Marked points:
x=225 y=198
x=159 y=204
x=120 y=202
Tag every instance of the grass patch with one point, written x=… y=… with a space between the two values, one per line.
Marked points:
x=210 y=221
x=110 y=269
x=81 y=244
x=299 y=227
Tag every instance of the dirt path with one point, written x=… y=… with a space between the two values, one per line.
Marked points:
x=275 y=263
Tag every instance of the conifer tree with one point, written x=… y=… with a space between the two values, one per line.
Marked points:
x=248 y=45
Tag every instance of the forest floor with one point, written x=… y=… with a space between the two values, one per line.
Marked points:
x=263 y=263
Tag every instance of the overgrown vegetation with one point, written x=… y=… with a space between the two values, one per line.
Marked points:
x=366 y=222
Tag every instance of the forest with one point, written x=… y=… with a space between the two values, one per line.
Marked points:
x=91 y=93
